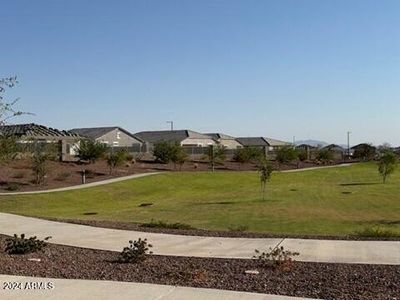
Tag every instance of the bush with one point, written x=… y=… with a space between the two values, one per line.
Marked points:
x=136 y=251
x=278 y=257
x=39 y=166
x=116 y=159
x=162 y=224
x=22 y=245
x=324 y=155
x=62 y=176
x=302 y=155
x=91 y=151
x=162 y=152
x=247 y=154
x=13 y=187
x=286 y=154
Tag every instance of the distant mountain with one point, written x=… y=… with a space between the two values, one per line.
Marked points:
x=313 y=143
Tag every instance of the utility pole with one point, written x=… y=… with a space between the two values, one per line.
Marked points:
x=348 y=144
x=172 y=124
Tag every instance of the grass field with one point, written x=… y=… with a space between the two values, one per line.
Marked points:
x=335 y=201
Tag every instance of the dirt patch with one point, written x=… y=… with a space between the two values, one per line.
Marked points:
x=315 y=280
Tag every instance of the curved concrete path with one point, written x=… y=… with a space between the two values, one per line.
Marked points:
x=73 y=289
x=317 y=168
x=334 y=251
x=84 y=186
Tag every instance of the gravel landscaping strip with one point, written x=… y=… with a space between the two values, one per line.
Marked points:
x=216 y=233
x=315 y=280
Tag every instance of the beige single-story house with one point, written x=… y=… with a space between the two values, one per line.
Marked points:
x=227 y=141
x=112 y=136
x=186 y=138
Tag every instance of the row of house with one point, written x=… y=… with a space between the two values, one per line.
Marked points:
x=143 y=141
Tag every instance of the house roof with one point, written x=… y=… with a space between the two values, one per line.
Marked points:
x=169 y=135
x=260 y=141
x=334 y=147
x=217 y=136
x=35 y=131
x=96 y=132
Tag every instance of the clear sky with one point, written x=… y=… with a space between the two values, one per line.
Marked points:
x=310 y=69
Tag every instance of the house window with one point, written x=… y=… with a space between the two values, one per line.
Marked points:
x=115 y=143
x=118 y=135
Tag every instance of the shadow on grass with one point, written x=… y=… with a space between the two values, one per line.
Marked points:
x=381 y=222
x=359 y=183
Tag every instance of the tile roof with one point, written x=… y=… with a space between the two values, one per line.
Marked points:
x=217 y=136
x=261 y=141
x=169 y=135
x=96 y=132
x=34 y=130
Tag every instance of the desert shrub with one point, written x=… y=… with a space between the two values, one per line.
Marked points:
x=62 y=176
x=13 y=187
x=324 y=154
x=116 y=159
x=39 y=166
x=136 y=251
x=247 y=154
x=19 y=175
x=302 y=155
x=286 y=154
x=91 y=151
x=277 y=257
x=162 y=152
x=377 y=232
x=22 y=245
x=162 y=224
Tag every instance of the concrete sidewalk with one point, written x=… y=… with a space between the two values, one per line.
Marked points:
x=317 y=168
x=69 y=289
x=334 y=251
x=84 y=186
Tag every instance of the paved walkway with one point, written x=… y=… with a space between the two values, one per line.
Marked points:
x=367 y=252
x=84 y=186
x=70 y=289
x=317 y=168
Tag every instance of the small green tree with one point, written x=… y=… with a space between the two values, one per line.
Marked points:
x=91 y=151
x=265 y=171
x=324 y=154
x=163 y=152
x=39 y=162
x=387 y=164
x=215 y=154
x=178 y=155
x=286 y=154
x=116 y=159
x=302 y=154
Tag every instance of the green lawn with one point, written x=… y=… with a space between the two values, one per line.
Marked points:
x=332 y=201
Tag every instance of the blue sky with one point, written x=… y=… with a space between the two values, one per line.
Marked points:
x=310 y=69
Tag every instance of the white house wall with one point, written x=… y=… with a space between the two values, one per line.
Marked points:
x=198 y=142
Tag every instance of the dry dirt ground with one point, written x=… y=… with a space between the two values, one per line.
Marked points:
x=314 y=280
